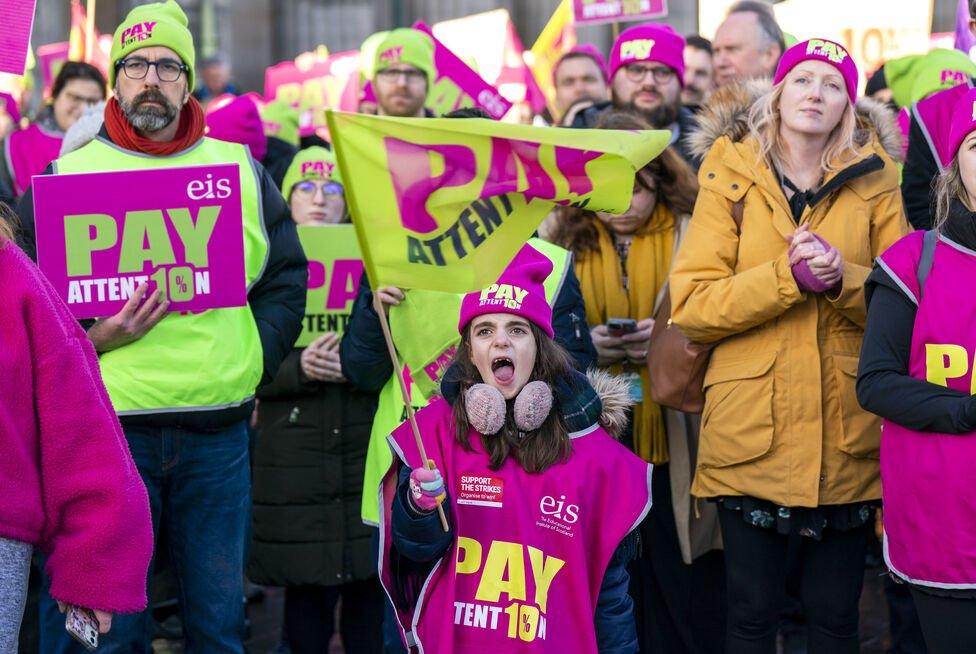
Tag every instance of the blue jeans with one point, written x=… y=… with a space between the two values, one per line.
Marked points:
x=199 y=486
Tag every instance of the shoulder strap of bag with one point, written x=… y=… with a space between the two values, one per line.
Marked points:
x=681 y=225
x=925 y=260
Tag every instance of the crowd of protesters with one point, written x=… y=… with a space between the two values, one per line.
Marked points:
x=776 y=227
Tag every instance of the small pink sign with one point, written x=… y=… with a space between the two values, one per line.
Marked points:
x=608 y=11
x=451 y=67
x=99 y=235
x=15 y=31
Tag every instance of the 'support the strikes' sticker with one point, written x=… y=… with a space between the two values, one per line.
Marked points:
x=479 y=490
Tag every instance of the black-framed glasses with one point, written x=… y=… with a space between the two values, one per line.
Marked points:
x=167 y=70
x=637 y=73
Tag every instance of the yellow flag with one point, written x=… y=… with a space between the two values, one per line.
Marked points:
x=444 y=204
x=556 y=39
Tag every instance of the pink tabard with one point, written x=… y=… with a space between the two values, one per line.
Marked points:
x=28 y=152
x=927 y=478
x=530 y=550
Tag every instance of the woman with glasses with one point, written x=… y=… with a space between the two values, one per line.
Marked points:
x=28 y=152
x=313 y=430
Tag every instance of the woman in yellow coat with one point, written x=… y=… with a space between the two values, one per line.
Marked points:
x=785 y=447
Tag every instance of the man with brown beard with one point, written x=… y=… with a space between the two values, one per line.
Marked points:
x=403 y=73
x=647 y=70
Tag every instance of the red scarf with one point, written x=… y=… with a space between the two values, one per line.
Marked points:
x=123 y=134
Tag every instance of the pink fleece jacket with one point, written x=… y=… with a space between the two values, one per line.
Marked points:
x=67 y=480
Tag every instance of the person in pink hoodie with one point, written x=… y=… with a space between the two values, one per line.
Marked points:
x=68 y=485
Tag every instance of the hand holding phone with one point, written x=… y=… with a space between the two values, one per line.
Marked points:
x=83 y=626
x=617 y=327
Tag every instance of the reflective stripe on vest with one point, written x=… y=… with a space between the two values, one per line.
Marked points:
x=194 y=361
x=391 y=411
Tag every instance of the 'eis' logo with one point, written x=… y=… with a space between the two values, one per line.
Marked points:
x=568 y=513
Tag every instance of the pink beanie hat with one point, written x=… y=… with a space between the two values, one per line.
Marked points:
x=238 y=121
x=587 y=50
x=649 y=42
x=823 y=50
x=518 y=291
x=963 y=121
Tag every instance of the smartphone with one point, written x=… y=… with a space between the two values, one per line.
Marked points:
x=617 y=327
x=83 y=626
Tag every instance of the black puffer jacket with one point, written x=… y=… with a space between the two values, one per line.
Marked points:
x=308 y=477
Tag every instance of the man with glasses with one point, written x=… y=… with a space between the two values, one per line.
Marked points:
x=183 y=383
x=404 y=73
x=647 y=70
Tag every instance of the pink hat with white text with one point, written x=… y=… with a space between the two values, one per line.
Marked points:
x=649 y=42
x=518 y=291
x=823 y=50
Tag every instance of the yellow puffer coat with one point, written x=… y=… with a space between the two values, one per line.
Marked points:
x=781 y=419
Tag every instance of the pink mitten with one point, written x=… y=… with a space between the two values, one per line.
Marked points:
x=532 y=405
x=426 y=489
x=485 y=407
x=805 y=279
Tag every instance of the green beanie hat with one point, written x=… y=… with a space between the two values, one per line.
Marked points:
x=367 y=55
x=311 y=163
x=155 y=24
x=900 y=75
x=941 y=69
x=281 y=121
x=406 y=45
x=789 y=40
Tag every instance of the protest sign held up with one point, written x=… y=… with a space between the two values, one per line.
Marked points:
x=99 y=235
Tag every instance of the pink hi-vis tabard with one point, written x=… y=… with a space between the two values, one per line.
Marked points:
x=29 y=151
x=927 y=477
x=530 y=550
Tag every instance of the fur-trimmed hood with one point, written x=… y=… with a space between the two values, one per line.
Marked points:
x=727 y=112
x=614 y=394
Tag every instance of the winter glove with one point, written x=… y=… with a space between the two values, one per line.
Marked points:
x=426 y=488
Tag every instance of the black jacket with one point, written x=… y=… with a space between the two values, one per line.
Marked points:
x=278 y=158
x=277 y=299
x=309 y=461
x=366 y=362
x=917 y=178
x=589 y=117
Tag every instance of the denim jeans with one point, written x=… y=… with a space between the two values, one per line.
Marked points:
x=199 y=487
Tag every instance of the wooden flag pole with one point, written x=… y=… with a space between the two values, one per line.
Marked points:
x=398 y=370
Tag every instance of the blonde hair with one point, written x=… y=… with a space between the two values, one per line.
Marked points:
x=948 y=187
x=765 y=122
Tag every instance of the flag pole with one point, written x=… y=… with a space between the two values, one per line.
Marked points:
x=90 y=30
x=398 y=371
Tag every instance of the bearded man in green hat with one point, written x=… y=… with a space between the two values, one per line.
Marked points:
x=183 y=383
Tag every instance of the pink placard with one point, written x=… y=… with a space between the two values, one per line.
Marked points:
x=608 y=11
x=15 y=31
x=100 y=234
x=331 y=83
x=51 y=57
x=451 y=67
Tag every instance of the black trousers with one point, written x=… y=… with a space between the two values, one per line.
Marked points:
x=310 y=617
x=831 y=575
x=679 y=608
x=948 y=623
